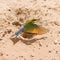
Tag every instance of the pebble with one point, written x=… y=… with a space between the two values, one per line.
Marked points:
x=57 y=23
x=55 y=42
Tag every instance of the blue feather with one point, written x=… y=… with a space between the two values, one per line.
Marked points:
x=19 y=31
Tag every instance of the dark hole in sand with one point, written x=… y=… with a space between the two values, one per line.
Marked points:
x=4 y=34
x=16 y=23
x=1 y=39
x=49 y=51
x=1 y=54
x=15 y=40
x=9 y=9
x=9 y=31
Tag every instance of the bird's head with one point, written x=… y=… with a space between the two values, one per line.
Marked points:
x=29 y=22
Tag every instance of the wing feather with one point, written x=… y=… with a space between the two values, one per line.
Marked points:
x=38 y=30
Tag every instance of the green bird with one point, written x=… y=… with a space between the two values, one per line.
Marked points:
x=28 y=25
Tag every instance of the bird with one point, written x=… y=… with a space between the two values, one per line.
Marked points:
x=29 y=27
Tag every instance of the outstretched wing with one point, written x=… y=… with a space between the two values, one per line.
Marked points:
x=36 y=30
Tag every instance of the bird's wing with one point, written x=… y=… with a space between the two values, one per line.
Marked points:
x=37 y=30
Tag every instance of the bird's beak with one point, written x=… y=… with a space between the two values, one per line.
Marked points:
x=35 y=20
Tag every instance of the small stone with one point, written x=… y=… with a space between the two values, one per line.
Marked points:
x=57 y=23
x=55 y=42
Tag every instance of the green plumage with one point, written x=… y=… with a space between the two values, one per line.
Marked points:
x=30 y=24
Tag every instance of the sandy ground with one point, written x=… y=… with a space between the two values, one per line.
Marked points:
x=48 y=13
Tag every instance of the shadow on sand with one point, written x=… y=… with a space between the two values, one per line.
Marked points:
x=27 y=42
